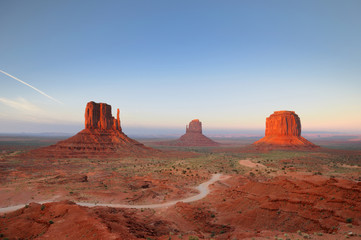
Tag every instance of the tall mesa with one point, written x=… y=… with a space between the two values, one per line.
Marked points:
x=102 y=137
x=283 y=130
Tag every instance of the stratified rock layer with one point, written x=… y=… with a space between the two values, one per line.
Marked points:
x=283 y=123
x=195 y=126
x=283 y=129
x=192 y=137
x=99 y=116
x=102 y=137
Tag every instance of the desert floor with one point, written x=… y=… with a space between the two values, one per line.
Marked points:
x=279 y=194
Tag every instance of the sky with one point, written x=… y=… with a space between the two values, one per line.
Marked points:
x=163 y=63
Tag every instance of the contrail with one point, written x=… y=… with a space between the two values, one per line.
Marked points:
x=27 y=84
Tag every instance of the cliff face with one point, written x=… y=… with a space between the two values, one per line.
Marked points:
x=195 y=126
x=99 y=116
x=283 y=130
x=283 y=123
x=102 y=137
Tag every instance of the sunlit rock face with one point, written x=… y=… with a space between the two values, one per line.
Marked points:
x=101 y=138
x=99 y=116
x=283 y=123
x=283 y=129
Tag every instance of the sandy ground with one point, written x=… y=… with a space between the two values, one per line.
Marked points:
x=266 y=195
x=203 y=189
x=250 y=164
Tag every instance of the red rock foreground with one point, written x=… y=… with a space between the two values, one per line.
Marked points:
x=192 y=137
x=102 y=137
x=238 y=208
x=283 y=129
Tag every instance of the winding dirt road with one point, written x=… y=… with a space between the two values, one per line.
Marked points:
x=203 y=189
x=16 y=207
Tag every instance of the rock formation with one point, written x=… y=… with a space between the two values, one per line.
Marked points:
x=99 y=116
x=195 y=126
x=283 y=129
x=192 y=137
x=102 y=137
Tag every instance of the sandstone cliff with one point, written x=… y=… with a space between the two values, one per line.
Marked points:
x=102 y=137
x=195 y=126
x=283 y=123
x=99 y=116
x=283 y=129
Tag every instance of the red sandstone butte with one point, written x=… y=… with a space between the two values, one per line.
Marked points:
x=193 y=137
x=195 y=126
x=102 y=137
x=283 y=129
x=99 y=116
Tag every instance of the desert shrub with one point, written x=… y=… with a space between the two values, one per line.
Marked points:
x=193 y=238
x=349 y=220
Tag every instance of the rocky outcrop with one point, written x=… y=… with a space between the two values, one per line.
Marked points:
x=101 y=138
x=192 y=137
x=283 y=123
x=195 y=126
x=99 y=116
x=283 y=129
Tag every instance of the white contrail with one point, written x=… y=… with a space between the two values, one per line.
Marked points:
x=27 y=84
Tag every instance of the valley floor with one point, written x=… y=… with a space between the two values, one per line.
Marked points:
x=261 y=195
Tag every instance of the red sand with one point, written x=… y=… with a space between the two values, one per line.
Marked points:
x=239 y=208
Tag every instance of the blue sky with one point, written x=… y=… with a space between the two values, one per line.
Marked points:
x=164 y=63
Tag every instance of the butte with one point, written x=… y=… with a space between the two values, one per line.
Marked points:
x=283 y=130
x=101 y=138
x=193 y=137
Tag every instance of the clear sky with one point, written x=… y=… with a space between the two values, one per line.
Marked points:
x=164 y=63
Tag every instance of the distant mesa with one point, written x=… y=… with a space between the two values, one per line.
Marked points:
x=192 y=137
x=102 y=137
x=195 y=126
x=283 y=130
